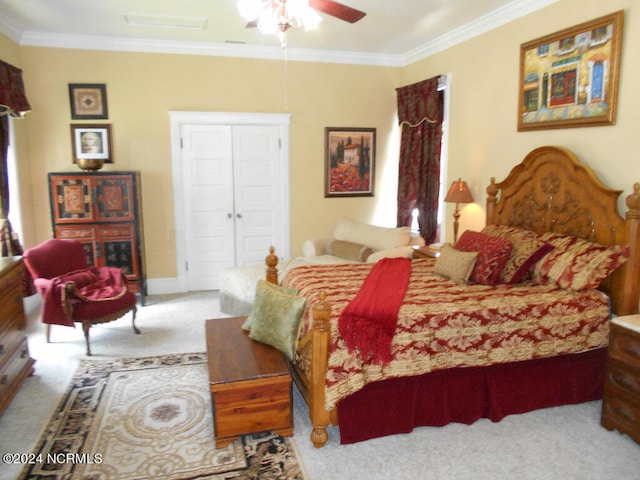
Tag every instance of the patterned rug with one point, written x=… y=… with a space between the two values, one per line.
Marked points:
x=150 y=418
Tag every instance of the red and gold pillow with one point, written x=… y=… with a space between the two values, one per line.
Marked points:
x=578 y=264
x=527 y=249
x=493 y=253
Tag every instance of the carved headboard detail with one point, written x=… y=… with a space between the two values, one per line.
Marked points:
x=552 y=191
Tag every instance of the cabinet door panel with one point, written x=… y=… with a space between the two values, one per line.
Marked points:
x=114 y=199
x=118 y=248
x=83 y=234
x=71 y=199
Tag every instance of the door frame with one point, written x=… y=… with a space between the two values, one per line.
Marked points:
x=180 y=118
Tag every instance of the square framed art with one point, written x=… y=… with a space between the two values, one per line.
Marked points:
x=92 y=142
x=88 y=101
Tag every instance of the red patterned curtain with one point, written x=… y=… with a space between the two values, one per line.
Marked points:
x=13 y=102
x=420 y=112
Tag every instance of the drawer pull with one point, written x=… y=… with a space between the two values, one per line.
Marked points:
x=625 y=381
x=4 y=380
x=1 y=348
x=624 y=413
x=634 y=350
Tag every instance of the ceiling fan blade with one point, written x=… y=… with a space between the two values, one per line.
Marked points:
x=337 y=10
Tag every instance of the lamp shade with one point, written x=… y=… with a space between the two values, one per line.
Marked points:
x=459 y=193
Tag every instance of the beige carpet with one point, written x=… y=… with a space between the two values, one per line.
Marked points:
x=564 y=443
x=149 y=418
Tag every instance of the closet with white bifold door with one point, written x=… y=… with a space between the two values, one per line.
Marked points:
x=232 y=197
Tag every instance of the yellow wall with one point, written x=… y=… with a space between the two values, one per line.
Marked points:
x=142 y=88
x=483 y=139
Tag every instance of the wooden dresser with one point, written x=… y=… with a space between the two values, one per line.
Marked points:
x=15 y=362
x=621 y=396
x=103 y=211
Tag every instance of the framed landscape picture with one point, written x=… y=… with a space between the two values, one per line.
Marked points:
x=570 y=78
x=350 y=155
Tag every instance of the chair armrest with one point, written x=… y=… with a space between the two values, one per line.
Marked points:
x=315 y=247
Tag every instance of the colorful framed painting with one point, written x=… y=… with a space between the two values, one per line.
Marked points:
x=92 y=142
x=350 y=157
x=570 y=78
x=88 y=101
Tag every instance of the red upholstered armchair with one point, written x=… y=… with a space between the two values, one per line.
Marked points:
x=72 y=291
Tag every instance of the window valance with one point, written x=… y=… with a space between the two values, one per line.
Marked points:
x=13 y=98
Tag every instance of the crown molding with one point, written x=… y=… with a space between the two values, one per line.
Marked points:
x=486 y=23
x=499 y=17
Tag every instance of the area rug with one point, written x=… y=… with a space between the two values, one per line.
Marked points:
x=150 y=418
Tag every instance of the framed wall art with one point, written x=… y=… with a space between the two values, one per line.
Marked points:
x=570 y=78
x=88 y=101
x=350 y=156
x=92 y=142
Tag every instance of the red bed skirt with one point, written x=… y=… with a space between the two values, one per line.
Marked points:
x=464 y=395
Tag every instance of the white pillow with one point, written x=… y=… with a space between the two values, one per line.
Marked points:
x=398 y=252
x=378 y=238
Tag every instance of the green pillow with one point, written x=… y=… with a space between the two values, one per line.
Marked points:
x=275 y=318
x=262 y=284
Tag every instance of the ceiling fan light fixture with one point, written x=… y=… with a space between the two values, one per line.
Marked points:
x=277 y=16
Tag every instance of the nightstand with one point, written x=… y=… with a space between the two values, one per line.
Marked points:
x=621 y=395
x=428 y=251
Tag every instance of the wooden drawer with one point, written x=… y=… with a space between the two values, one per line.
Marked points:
x=13 y=372
x=622 y=412
x=12 y=334
x=621 y=377
x=251 y=406
x=625 y=346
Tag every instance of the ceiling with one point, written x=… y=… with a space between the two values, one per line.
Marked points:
x=394 y=32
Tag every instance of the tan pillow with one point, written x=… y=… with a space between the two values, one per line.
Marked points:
x=454 y=264
x=349 y=250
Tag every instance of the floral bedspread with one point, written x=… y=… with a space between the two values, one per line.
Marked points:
x=443 y=325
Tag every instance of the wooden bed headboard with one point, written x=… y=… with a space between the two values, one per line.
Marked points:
x=552 y=191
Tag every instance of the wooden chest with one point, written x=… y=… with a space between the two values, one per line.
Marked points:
x=250 y=383
x=621 y=395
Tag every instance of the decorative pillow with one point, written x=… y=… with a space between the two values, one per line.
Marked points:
x=578 y=264
x=275 y=318
x=378 y=238
x=398 y=252
x=264 y=285
x=454 y=264
x=349 y=250
x=527 y=249
x=493 y=253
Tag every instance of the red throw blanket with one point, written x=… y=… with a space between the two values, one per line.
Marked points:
x=94 y=284
x=368 y=322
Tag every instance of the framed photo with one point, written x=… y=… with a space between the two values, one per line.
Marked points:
x=92 y=142
x=350 y=158
x=88 y=101
x=570 y=78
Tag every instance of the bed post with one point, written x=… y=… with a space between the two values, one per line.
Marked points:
x=629 y=288
x=321 y=337
x=272 y=271
x=492 y=199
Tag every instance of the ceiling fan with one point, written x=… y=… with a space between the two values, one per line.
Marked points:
x=277 y=16
x=337 y=10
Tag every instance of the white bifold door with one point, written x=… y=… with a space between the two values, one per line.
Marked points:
x=233 y=199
